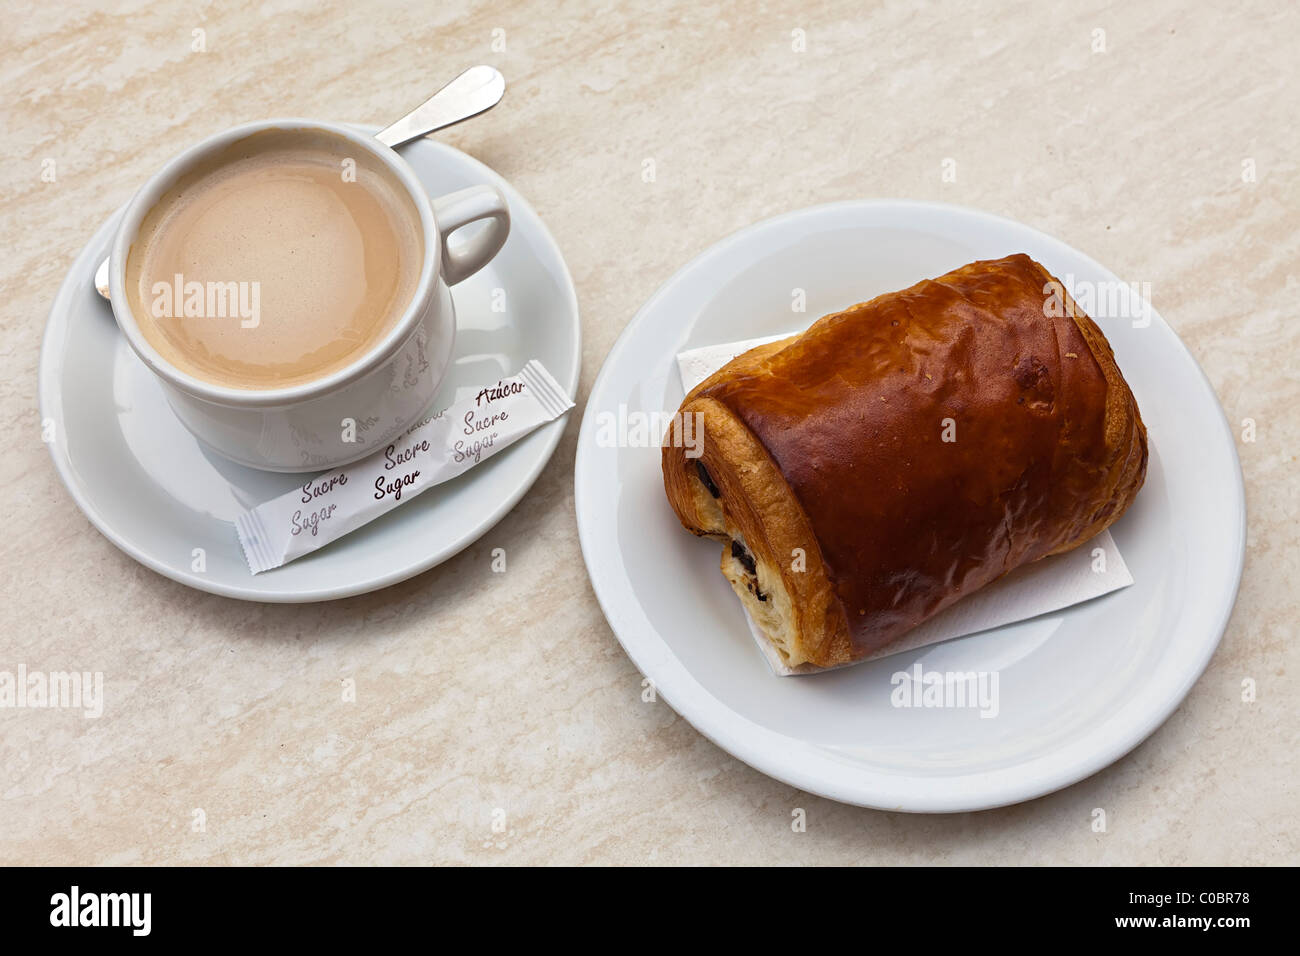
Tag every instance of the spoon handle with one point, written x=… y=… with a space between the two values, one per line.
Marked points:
x=476 y=90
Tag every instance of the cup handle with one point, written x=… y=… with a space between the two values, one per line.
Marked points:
x=460 y=208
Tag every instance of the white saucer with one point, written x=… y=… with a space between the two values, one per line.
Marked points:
x=157 y=494
x=1077 y=689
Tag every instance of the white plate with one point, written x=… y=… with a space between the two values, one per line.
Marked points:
x=1078 y=689
x=157 y=494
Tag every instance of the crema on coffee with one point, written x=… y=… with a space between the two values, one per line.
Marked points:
x=281 y=260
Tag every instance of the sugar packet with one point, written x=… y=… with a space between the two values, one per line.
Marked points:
x=330 y=505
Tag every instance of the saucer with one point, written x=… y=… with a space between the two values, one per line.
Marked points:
x=169 y=502
x=1077 y=688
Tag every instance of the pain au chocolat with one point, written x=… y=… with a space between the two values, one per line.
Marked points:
x=901 y=454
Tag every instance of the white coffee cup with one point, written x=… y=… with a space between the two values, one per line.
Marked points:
x=384 y=391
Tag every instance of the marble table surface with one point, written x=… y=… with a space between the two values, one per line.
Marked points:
x=496 y=719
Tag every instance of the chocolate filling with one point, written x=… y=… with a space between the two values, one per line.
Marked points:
x=751 y=568
x=744 y=557
x=707 y=479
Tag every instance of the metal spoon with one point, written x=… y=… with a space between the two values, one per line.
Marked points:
x=475 y=91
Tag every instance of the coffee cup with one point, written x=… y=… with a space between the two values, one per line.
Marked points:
x=332 y=325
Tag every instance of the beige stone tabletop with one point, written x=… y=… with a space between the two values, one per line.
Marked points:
x=496 y=718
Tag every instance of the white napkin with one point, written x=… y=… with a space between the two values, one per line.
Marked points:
x=1086 y=572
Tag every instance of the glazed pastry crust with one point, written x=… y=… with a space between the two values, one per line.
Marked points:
x=905 y=452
